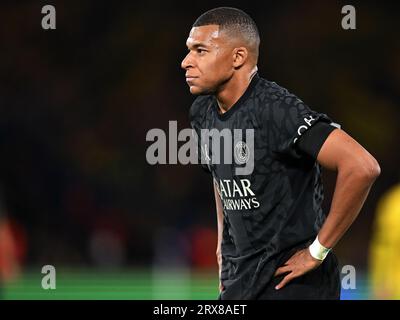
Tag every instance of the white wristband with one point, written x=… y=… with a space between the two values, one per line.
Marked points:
x=318 y=251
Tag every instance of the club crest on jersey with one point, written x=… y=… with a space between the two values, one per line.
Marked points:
x=242 y=152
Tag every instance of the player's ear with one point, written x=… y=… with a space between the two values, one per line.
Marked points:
x=240 y=56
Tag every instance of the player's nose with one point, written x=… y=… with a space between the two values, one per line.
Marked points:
x=186 y=62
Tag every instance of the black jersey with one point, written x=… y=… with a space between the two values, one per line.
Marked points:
x=276 y=207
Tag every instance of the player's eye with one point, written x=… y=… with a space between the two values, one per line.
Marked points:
x=201 y=51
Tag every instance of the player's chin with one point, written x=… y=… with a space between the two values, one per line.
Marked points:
x=196 y=90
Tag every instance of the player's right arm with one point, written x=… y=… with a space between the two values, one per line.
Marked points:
x=220 y=223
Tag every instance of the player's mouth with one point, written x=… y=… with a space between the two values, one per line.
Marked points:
x=190 y=79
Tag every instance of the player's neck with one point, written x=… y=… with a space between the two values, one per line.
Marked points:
x=233 y=90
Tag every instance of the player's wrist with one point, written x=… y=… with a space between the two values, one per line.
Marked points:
x=318 y=251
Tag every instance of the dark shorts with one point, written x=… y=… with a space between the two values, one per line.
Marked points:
x=322 y=283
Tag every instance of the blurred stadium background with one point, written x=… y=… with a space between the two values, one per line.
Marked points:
x=76 y=103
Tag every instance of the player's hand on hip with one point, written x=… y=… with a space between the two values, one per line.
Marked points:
x=298 y=264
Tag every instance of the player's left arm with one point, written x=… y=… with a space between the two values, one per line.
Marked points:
x=356 y=170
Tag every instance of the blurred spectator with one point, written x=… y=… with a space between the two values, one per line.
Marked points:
x=385 y=247
x=204 y=239
x=12 y=246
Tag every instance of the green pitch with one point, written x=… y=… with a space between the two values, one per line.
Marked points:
x=135 y=284
x=121 y=285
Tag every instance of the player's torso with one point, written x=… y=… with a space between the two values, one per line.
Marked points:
x=249 y=175
x=270 y=197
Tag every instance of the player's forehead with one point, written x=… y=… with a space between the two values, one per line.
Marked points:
x=204 y=35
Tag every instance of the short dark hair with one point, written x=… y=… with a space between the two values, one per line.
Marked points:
x=234 y=21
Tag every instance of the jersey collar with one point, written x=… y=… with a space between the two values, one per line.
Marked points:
x=239 y=103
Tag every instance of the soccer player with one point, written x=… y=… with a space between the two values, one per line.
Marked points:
x=274 y=240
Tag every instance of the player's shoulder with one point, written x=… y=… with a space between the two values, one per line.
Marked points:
x=273 y=93
x=200 y=107
x=276 y=103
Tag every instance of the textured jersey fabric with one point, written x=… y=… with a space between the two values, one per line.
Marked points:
x=276 y=207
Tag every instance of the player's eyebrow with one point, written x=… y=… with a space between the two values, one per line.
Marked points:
x=196 y=44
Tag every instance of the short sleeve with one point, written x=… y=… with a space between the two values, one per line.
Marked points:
x=292 y=120
x=313 y=139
